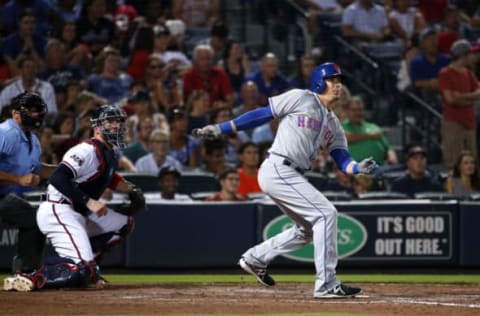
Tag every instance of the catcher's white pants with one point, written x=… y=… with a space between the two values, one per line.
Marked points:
x=69 y=231
x=315 y=217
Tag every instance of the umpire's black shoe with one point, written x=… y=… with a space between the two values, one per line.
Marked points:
x=260 y=273
x=341 y=291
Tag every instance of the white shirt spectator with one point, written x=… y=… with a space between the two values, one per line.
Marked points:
x=361 y=20
x=44 y=88
x=405 y=20
x=147 y=164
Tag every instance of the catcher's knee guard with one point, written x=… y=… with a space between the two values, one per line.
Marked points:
x=103 y=243
x=64 y=273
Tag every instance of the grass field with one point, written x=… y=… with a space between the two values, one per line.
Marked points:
x=301 y=278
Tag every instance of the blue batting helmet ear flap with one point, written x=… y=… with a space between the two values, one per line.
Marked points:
x=322 y=72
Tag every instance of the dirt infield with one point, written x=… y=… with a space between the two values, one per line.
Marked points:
x=247 y=298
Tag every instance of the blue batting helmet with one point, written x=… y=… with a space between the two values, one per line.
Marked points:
x=322 y=72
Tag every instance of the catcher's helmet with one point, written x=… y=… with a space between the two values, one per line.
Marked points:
x=103 y=117
x=27 y=103
x=322 y=72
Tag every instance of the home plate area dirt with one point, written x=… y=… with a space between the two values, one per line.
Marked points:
x=244 y=299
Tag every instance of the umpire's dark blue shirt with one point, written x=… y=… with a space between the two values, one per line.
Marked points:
x=19 y=154
x=405 y=184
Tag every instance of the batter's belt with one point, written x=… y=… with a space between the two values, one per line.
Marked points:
x=285 y=161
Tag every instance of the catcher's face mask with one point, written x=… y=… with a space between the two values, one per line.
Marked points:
x=110 y=121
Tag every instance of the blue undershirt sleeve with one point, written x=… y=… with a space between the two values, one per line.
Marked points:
x=248 y=120
x=342 y=159
x=62 y=180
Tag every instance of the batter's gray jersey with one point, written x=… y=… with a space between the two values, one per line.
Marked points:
x=306 y=127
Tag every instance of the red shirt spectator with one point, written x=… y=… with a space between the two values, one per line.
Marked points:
x=204 y=76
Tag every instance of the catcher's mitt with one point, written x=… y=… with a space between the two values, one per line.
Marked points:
x=137 y=203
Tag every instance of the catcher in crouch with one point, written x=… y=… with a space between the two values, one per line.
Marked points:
x=79 y=226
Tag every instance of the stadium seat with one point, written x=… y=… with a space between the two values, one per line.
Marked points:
x=337 y=195
x=145 y=181
x=437 y=196
x=382 y=195
x=193 y=182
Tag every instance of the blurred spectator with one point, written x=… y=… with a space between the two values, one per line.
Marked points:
x=169 y=45
x=432 y=10
x=213 y=154
x=93 y=29
x=406 y=20
x=222 y=113
x=59 y=73
x=205 y=76
x=248 y=171
x=302 y=79
x=474 y=60
x=48 y=155
x=460 y=89
x=111 y=82
x=28 y=81
x=162 y=82
x=341 y=182
x=269 y=80
x=235 y=63
x=229 y=181
x=366 y=139
x=197 y=108
x=450 y=31
x=341 y=106
x=168 y=186
x=365 y=21
x=464 y=178
x=77 y=53
x=84 y=104
x=362 y=183
x=140 y=102
x=157 y=159
x=249 y=99
x=13 y=11
x=217 y=40
x=142 y=48
x=424 y=68
x=122 y=14
x=265 y=132
x=403 y=75
x=68 y=10
x=196 y=13
x=24 y=42
x=139 y=147
x=183 y=147
x=416 y=179
x=64 y=124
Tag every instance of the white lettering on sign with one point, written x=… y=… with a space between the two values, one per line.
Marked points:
x=424 y=224
x=388 y=247
x=8 y=237
x=422 y=246
x=387 y=224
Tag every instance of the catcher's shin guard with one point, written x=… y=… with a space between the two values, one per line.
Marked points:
x=64 y=273
x=101 y=244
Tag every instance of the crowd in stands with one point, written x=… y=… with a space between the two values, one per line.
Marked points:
x=172 y=66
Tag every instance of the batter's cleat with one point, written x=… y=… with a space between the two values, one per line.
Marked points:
x=18 y=283
x=259 y=273
x=341 y=291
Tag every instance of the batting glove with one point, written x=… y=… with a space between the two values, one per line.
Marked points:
x=209 y=131
x=367 y=165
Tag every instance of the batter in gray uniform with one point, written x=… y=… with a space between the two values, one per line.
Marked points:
x=307 y=125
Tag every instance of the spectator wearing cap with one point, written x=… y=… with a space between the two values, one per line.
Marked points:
x=269 y=80
x=168 y=178
x=168 y=46
x=59 y=72
x=229 y=182
x=140 y=102
x=157 y=158
x=183 y=147
x=417 y=179
x=205 y=76
x=111 y=83
x=459 y=89
x=425 y=67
